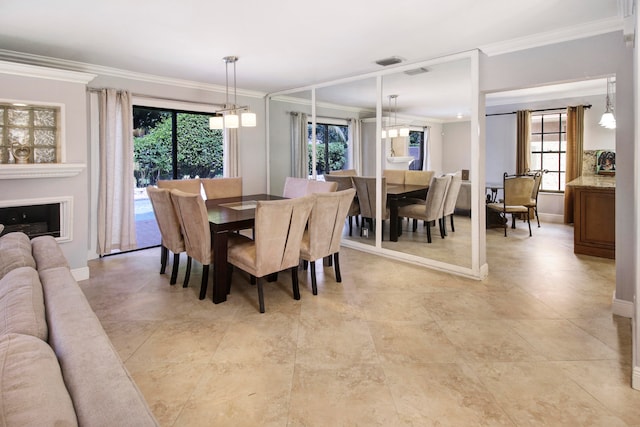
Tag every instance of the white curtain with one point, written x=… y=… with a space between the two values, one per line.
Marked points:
x=116 y=215
x=355 y=145
x=426 y=160
x=299 y=146
x=231 y=161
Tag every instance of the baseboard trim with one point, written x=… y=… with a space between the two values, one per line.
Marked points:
x=622 y=308
x=80 y=273
x=635 y=378
x=553 y=218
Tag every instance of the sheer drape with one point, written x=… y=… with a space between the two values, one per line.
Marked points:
x=426 y=159
x=116 y=213
x=355 y=144
x=230 y=167
x=299 y=146
x=523 y=150
x=575 y=141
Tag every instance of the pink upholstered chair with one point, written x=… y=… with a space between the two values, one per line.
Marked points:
x=321 y=187
x=279 y=226
x=169 y=226
x=432 y=209
x=221 y=188
x=194 y=222
x=324 y=231
x=295 y=187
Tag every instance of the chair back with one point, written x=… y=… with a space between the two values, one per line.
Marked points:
x=279 y=226
x=221 y=188
x=394 y=176
x=434 y=203
x=518 y=189
x=187 y=185
x=344 y=182
x=321 y=187
x=452 y=194
x=167 y=219
x=295 y=187
x=418 y=177
x=194 y=222
x=326 y=222
x=343 y=172
x=366 y=191
x=537 y=180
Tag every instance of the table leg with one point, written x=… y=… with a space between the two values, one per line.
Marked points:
x=393 y=221
x=220 y=272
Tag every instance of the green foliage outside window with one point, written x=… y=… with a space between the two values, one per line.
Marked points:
x=337 y=157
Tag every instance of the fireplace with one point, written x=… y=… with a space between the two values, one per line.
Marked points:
x=37 y=217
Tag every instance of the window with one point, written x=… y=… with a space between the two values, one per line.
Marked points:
x=332 y=150
x=416 y=149
x=549 y=148
x=172 y=144
x=29 y=133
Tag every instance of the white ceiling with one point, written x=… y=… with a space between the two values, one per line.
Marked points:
x=285 y=44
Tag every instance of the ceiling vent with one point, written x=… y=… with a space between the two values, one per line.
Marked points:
x=389 y=61
x=417 y=71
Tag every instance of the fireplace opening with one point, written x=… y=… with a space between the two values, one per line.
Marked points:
x=33 y=220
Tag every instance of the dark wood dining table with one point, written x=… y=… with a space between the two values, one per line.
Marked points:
x=396 y=194
x=228 y=215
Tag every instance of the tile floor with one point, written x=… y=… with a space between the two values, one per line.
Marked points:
x=392 y=345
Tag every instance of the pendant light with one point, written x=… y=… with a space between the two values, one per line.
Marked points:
x=228 y=117
x=608 y=120
x=394 y=130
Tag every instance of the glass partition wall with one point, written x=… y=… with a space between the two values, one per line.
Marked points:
x=438 y=103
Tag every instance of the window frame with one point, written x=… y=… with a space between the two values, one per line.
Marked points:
x=326 y=122
x=559 y=169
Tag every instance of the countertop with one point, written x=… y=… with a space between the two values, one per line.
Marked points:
x=593 y=181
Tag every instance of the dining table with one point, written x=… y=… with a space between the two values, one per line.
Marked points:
x=225 y=216
x=397 y=195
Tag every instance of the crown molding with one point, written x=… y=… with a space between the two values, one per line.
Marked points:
x=63 y=65
x=28 y=70
x=589 y=29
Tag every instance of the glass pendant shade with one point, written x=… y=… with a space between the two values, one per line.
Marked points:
x=231 y=121
x=392 y=133
x=384 y=134
x=248 y=119
x=216 y=122
x=608 y=120
x=404 y=131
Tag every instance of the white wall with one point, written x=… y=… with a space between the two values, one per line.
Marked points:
x=456 y=147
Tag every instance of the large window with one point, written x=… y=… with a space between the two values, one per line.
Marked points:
x=171 y=144
x=549 y=148
x=332 y=150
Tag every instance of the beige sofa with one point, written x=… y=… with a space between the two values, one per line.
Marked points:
x=57 y=365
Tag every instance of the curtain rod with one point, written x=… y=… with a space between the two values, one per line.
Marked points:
x=535 y=111
x=160 y=98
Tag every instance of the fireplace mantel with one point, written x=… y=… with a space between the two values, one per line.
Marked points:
x=40 y=170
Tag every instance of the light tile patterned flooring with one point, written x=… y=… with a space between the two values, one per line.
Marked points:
x=392 y=345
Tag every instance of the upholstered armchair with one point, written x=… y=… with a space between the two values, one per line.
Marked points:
x=518 y=190
x=169 y=226
x=221 y=188
x=431 y=210
x=194 y=222
x=324 y=231
x=191 y=186
x=279 y=226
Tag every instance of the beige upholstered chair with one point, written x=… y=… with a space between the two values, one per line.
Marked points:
x=221 y=188
x=432 y=209
x=187 y=185
x=533 y=205
x=279 y=226
x=450 y=200
x=344 y=183
x=169 y=226
x=197 y=236
x=517 y=196
x=344 y=172
x=295 y=187
x=366 y=191
x=394 y=176
x=321 y=187
x=324 y=232
x=418 y=177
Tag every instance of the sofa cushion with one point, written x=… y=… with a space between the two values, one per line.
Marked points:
x=32 y=390
x=15 y=251
x=47 y=253
x=22 y=304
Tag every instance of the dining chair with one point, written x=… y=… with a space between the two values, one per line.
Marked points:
x=221 y=188
x=418 y=177
x=450 y=200
x=279 y=226
x=194 y=221
x=431 y=210
x=517 y=196
x=344 y=172
x=344 y=183
x=187 y=185
x=295 y=187
x=170 y=232
x=394 y=176
x=314 y=186
x=324 y=231
x=366 y=192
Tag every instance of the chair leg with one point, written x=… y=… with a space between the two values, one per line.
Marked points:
x=305 y=264
x=260 y=295
x=252 y=279
x=336 y=266
x=453 y=229
x=350 y=225
x=429 y=232
x=164 y=253
x=294 y=282
x=174 y=269
x=187 y=273
x=529 y=222
x=204 y=282
x=441 y=226
x=314 y=285
x=537 y=217
x=415 y=225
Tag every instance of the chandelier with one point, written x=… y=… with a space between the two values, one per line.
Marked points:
x=608 y=120
x=393 y=131
x=228 y=117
